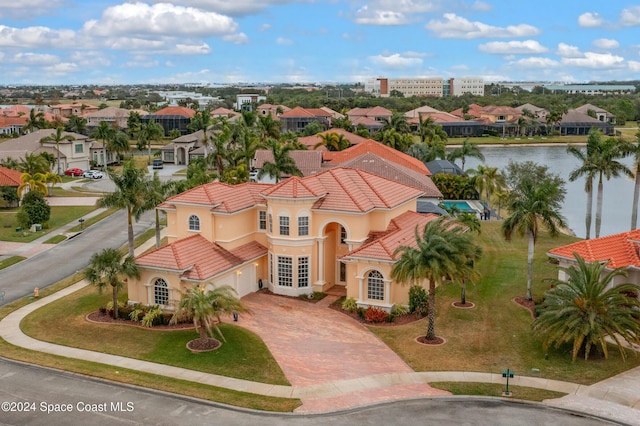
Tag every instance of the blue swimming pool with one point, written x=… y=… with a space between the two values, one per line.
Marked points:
x=462 y=206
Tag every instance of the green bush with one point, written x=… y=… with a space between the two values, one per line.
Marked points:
x=398 y=311
x=350 y=304
x=35 y=209
x=154 y=316
x=418 y=300
x=361 y=312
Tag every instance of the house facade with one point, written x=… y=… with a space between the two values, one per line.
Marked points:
x=340 y=227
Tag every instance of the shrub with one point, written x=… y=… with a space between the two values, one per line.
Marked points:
x=350 y=304
x=418 y=300
x=374 y=314
x=361 y=312
x=398 y=311
x=35 y=209
x=154 y=316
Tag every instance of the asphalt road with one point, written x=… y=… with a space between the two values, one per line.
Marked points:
x=66 y=258
x=31 y=395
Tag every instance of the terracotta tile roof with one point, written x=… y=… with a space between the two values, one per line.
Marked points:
x=474 y=110
x=380 y=150
x=376 y=111
x=311 y=141
x=366 y=121
x=222 y=112
x=400 y=232
x=305 y=112
x=621 y=250
x=343 y=189
x=175 y=110
x=221 y=197
x=377 y=165
x=15 y=111
x=9 y=177
x=420 y=112
x=9 y=121
x=308 y=161
x=199 y=259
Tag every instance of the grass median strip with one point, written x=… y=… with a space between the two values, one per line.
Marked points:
x=493 y=389
x=11 y=261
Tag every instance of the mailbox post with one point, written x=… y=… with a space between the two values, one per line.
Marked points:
x=508 y=373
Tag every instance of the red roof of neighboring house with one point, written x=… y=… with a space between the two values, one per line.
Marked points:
x=339 y=157
x=222 y=112
x=309 y=162
x=222 y=197
x=9 y=177
x=305 y=112
x=400 y=232
x=9 y=121
x=311 y=141
x=376 y=111
x=15 y=111
x=175 y=110
x=345 y=189
x=474 y=111
x=199 y=259
x=621 y=250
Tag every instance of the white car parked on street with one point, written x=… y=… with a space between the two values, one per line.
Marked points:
x=93 y=174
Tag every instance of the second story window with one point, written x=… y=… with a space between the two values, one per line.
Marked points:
x=270 y=223
x=262 y=220
x=284 y=225
x=343 y=235
x=303 y=226
x=79 y=148
x=194 y=223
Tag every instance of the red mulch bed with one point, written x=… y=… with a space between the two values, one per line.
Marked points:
x=400 y=320
x=463 y=305
x=527 y=304
x=105 y=318
x=437 y=341
x=203 y=345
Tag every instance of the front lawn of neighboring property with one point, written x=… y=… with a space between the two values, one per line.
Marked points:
x=494 y=389
x=243 y=355
x=59 y=216
x=496 y=333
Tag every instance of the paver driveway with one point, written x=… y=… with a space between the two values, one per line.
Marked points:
x=315 y=345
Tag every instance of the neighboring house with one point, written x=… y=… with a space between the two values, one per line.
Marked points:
x=116 y=117
x=621 y=250
x=311 y=141
x=444 y=166
x=10 y=177
x=575 y=122
x=75 y=153
x=598 y=113
x=296 y=119
x=453 y=125
x=248 y=101
x=229 y=114
x=376 y=113
x=540 y=114
x=272 y=110
x=309 y=162
x=181 y=149
x=340 y=227
x=12 y=125
x=67 y=110
x=172 y=118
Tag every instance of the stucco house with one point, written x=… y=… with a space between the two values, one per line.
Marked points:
x=336 y=228
x=621 y=250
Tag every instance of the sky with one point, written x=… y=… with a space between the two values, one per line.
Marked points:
x=53 y=42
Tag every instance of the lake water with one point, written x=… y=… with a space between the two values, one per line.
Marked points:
x=618 y=192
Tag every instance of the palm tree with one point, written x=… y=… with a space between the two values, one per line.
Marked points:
x=106 y=268
x=205 y=307
x=51 y=179
x=607 y=165
x=587 y=168
x=488 y=180
x=150 y=131
x=333 y=141
x=467 y=149
x=131 y=194
x=441 y=251
x=35 y=121
x=531 y=205
x=201 y=121
x=634 y=150
x=282 y=162
x=588 y=308
x=158 y=191
x=58 y=137
x=397 y=122
x=32 y=182
x=118 y=144
x=269 y=128
x=77 y=124
x=34 y=163
x=105 y=132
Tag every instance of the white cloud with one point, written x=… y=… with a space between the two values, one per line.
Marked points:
x=234 y=7
x=590 y=20
x=61 y=68
x=537 y=63
x=366 y=16
x=284 y=41
x=568 y=51
x=159 y=19
x=192 y=49
x=634 y=66
x=35 y=59
x=396 y=12
x=395 y=60
x=36 y=38
x=513 y=47
x=595 y=60
x=630 y=17
x=606 y=43
x=264 y=27
x=454 y=26
x=482 y=6
x=239 y=38
x=27 y=9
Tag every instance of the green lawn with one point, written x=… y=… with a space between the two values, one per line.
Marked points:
x=493 y=389
x=59 y=216
x=243 y=356
x=11 y=261
x=496 y=334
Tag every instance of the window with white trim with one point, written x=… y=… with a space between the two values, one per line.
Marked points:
x=262 y=220
x=303 y=226
x=375 y=286
x=270 y=223
x=271 y=268
x=160 y=292
x=284 y=225
x=79 y=148
x=303 y=271
x=343 y=235
x=285 y=271
x=194 y=223
x=343 y=272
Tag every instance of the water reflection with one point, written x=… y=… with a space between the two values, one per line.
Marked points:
x=618 y=192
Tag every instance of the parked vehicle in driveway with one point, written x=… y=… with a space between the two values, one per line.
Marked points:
x=157 y=163
x=93 y=174
x=74 y=172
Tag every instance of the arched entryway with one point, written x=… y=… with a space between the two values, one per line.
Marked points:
x=181 y=156
x=332 y=245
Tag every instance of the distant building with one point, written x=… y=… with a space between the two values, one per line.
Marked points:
x=592 y=89
x=431 y=86
x=247 y=101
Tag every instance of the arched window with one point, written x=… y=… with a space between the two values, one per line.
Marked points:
x=160 y=292
x=375 y=286
x=194 y=223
